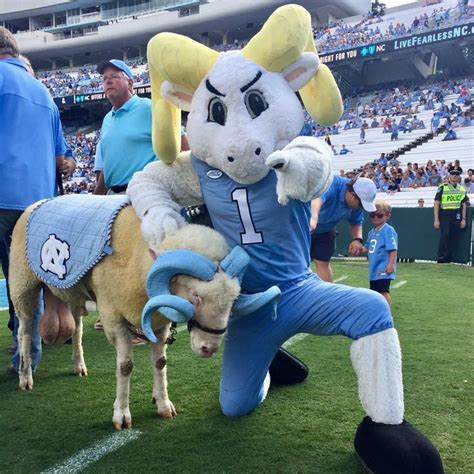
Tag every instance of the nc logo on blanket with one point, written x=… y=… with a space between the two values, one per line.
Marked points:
x=54 y=254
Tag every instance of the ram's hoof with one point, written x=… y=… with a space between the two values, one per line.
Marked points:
x=166 y=410
x=394 y=449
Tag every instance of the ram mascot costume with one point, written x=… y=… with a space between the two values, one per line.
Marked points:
x=257 y=177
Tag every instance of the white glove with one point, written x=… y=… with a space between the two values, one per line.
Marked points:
x=159 y=222
x=303 y=169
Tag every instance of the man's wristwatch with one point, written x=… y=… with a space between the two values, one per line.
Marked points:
x=358 y=240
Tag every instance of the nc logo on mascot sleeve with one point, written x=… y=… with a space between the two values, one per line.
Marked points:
x=54 y=254
x=214 y=174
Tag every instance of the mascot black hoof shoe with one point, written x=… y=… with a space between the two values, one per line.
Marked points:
x=395 y=449
x=286 y=369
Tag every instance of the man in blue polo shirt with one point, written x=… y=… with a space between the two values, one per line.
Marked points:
x=32 y=146
x=125 y=139
x=344 y=200
x=125 y=145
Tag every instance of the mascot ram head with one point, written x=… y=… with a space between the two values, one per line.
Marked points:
x=242 y=104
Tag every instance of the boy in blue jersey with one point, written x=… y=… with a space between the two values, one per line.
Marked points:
x=381 y=246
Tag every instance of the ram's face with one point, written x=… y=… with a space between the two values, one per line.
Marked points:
x=212 y=301
x=239 y=115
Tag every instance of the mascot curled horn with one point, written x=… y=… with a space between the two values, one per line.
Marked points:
x=257 y=177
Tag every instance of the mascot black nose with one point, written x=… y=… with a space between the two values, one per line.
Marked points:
x=258 y=151
x=230 y=158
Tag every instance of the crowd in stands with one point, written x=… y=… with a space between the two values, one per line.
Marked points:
x=87 y=80
x=339 y=35
x=334 y=37
x=83 y=148
x=396 y=111
x=390 y=177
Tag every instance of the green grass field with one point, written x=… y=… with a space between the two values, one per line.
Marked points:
x=299 y=429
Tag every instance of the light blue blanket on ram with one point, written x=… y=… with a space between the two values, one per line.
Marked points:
x=68 y=235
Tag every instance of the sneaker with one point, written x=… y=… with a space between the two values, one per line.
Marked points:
x=286 y=369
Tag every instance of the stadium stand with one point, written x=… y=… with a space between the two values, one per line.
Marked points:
x=411 y=105
x=414 y=19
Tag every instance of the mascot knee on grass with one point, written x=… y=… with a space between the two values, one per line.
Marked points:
x=256 y=175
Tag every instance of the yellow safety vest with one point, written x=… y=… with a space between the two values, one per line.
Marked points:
x=452 y=196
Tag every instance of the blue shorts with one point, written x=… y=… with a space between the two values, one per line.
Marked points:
x=309 y=306
x=323 y=246
x=381 y=286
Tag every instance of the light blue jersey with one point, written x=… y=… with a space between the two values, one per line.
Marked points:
x=334 y=207
x=380 y=242
x=276 y=237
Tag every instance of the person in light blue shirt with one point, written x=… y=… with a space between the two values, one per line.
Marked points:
x=344 y=150
x=32 y=146
x=450 y=135
x=435 y=123
x=125 y=145
x=344 y=200
x=125 y=139
x=394 y=135
x=384 y=183
x=382 y=160
x=381 y=246
x=394 y=162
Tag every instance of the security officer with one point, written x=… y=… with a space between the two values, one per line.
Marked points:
x=450 y=214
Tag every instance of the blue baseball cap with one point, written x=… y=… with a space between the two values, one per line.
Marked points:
x=117 y=64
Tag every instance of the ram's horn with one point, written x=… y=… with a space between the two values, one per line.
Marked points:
x=177 y=262
x=181 y=61
x=236 y=262
x=283 y=38
x=180 y=311
x=247 y=304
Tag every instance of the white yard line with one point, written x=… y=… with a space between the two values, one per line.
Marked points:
x=294 y=340
x=4 y=309
x=399 y=284
x=97 y=451
x=344 y=277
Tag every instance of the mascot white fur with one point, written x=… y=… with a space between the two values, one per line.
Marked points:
x=257 y=176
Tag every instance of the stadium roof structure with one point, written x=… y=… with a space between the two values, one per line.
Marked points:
x=52 y=32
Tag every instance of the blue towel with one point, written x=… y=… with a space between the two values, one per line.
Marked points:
x=68 y=235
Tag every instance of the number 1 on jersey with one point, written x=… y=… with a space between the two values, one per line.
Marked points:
x=250 y=235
